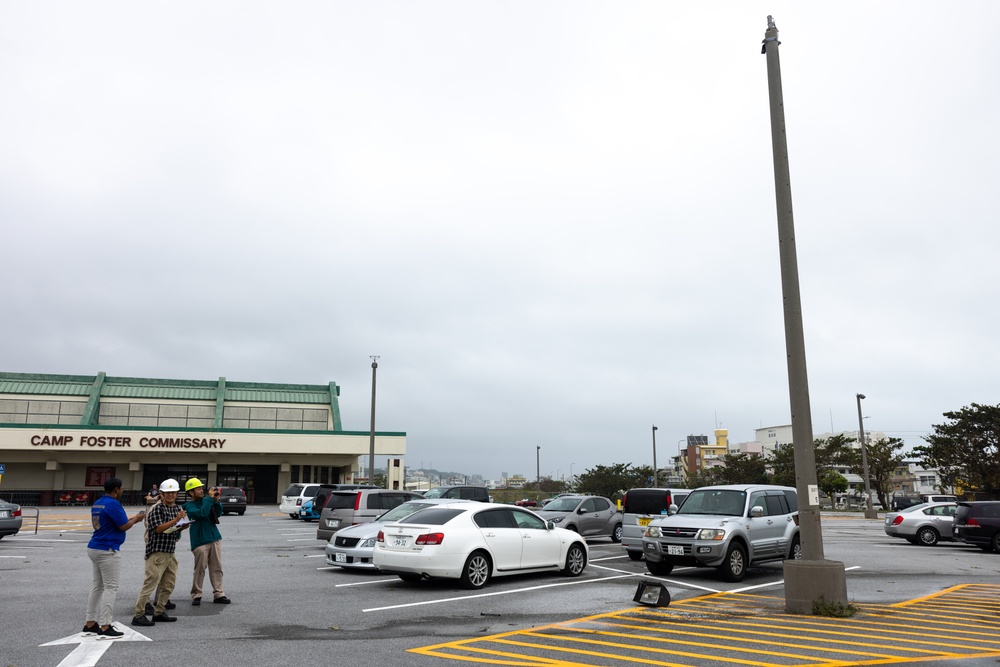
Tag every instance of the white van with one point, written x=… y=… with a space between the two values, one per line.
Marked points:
x=294 y=496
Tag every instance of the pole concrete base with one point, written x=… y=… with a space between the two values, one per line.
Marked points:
x=807 y=581
x=871 y=514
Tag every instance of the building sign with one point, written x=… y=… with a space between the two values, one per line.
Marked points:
x=97 y=475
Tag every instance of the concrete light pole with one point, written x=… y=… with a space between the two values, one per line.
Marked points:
x=869 y=510
x=811 y=578
x=538 y=473
x=371 y=438
x=655 y=479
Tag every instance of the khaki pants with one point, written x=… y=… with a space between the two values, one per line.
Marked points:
x=208 y=557
x=107 y=566
x=161 y=574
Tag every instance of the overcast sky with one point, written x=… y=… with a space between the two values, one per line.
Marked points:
x=554 y=222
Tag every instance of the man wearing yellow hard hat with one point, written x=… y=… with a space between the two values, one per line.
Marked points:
x=204 y=511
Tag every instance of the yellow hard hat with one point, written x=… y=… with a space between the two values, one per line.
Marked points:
x=192 y=483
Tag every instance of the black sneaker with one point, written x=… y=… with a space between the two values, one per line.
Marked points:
x=163 y=618
x=149 y=609
x=111 y=633
x=222 y=600
x=142 y=621
x=195 y=602
x=94 y=629
x=170 y=605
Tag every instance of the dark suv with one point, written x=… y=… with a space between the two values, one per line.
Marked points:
x=461 y=492
x=978 y=522
x=232 y=500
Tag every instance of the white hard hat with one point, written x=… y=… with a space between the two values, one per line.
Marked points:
x=170 y=485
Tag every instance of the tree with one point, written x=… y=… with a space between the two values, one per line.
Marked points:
x=739 y=469
x=831 y=483
x=783 y=465
x=884 y=457
x=614 y=480
x=966 y=449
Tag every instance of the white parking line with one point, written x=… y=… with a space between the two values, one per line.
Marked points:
x=491 y=594
x=40 y=539
x=303 y=539
x=362 y=583
x=315 y=555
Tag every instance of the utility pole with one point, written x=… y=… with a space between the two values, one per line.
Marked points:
x=655 y=479
x=538 y=473
x=869 y=510
x=371 y=439
x=811 y=578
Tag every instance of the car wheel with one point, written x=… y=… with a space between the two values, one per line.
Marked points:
x=573 y=528
x=795 y=553
x=927 y=536
x=409 y=577
x=634 y=555
x=294 y=516
x=616 y=534
x=995 y=542
x=476 y=572
x=242 y=513
x=734 y=567
x=576 y=560
x=659 y=569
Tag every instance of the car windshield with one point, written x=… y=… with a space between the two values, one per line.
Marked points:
x=436 y=492
x=564 y=504
x=723 y=502
x=293 y=490
x=433 y=516
x=402 y=511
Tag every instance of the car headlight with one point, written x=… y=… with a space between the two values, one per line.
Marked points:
x=652 y=531
x=711 y=534
x=368 y=544
x=558 y=519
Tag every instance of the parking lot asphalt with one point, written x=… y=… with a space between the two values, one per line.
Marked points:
x=936 y=605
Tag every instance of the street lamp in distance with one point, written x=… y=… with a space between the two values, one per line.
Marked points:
x=869 y=511
x=655 y=478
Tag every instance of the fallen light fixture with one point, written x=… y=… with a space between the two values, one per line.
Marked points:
x=651 y=594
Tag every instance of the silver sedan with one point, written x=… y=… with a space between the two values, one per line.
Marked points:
x=925 y=524
x=10 y=518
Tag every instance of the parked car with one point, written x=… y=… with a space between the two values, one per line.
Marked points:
x=323 y=492
x=728 y=527
x=308 y=510
x=233 y=500
x=349 y=508
x=10 y=518
x=938 y=498
x=294 y=496
x=475 y=542
x=353 y=547
x=900 y=503
x=526 y=502
x=591 y=516
x=639 y=507
x=978 y=522
x=926 y=523
x=478 y=493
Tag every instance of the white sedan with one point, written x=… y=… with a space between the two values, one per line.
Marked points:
x=352 y=547
x=475 y=543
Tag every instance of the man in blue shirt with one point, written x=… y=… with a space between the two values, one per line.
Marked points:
x=104 y=549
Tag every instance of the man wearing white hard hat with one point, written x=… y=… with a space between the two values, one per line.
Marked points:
x=161 y=563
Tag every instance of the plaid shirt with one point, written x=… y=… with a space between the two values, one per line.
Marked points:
x=164 y=542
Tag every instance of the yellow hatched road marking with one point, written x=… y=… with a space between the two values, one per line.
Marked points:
x=718 y=624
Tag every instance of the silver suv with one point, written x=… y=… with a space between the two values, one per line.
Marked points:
x=349 y=508
x=726 y=527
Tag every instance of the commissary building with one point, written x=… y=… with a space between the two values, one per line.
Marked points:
x=61 y=436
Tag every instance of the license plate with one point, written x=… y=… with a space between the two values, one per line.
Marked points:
x=340 y=558
x=3 y=514
x=230 y=500
x=674 y=550
x=644 y=521
x=332 y=523
x=398 y=541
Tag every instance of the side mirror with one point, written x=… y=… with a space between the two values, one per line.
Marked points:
x=672 y=509
x=581 y=511
x=549 y=525
x=756 y=511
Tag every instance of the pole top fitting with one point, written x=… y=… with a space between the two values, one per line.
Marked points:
x=771 y=35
